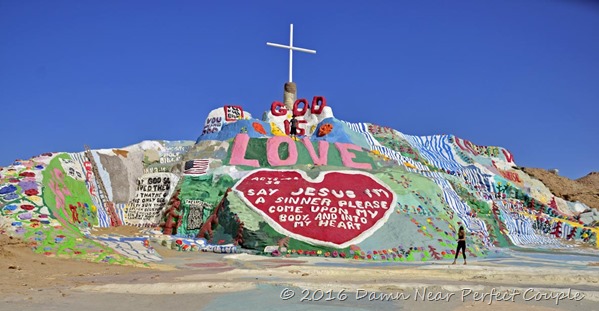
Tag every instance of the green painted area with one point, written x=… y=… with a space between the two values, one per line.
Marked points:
x=66 y=243
x=57 y=234
x=484 y=212
x=251 y=219
x=259 y=239
x=408 y=227
x=415 y=193
x=205 y=188
x=422 y=220
x=267 y=236
x=61 y=192
x=390 y=139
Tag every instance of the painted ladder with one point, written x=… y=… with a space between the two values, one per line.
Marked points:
x=102 y=193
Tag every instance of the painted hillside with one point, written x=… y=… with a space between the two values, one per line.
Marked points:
x=338 y=189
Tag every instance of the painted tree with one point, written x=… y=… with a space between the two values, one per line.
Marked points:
x=557 y=229
x=553 y=203
x=434 y=253
x=532 y=203
x=172 y=216
x=572 y=233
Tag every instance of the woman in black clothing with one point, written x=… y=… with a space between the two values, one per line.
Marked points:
x=461 y=245
x=293 y=131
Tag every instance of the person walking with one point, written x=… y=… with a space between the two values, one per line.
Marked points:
x=293 y=130
x=461 y=245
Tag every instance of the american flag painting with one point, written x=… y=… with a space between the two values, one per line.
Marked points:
x=196 y=167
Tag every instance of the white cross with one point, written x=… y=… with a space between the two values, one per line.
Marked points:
x=291 y=49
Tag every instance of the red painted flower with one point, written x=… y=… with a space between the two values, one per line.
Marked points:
x=31 y=192
x=179 y=242
x=27 y=207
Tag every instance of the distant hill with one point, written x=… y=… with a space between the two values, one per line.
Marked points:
x=585 y=189
x=591 y=180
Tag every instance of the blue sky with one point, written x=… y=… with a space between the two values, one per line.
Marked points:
x=521 y=74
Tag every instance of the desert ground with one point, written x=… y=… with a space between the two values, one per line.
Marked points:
x=506 y=280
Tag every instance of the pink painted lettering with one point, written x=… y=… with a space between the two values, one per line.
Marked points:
x=239 y=149
x=323 y=148
x=347 y=156
x=272 y=151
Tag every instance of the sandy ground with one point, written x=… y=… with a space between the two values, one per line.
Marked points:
x=23 y=270
x=120 y=230
x=206 y=281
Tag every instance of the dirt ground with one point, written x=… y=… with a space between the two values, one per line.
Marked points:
x=120 y=230
x=208 y=281
x=23 y=269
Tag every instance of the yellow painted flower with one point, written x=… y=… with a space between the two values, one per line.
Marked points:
x=275 y=130
x=36 y=200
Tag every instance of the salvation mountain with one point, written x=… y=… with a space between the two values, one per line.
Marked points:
x=337 y=188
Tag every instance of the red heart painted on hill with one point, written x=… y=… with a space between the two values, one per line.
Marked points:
x=336 y=209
